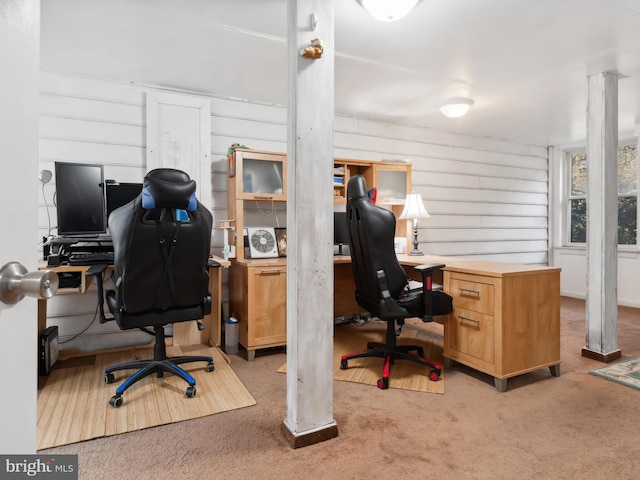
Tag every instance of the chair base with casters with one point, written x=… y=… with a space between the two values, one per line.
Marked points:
x=391 y=352
x=159 y=365
x=160 y=362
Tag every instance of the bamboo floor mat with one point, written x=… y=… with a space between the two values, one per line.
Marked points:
x=404 y=375
x=73 y=403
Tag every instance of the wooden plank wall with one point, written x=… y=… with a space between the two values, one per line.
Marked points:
x=487 y=198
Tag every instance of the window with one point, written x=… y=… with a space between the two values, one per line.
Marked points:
x=627 y=195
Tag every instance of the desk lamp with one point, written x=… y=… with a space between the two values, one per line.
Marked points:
x=414 y=210
x=45 y=177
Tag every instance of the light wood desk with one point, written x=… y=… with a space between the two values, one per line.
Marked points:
x=184 y=333
x=505 y=319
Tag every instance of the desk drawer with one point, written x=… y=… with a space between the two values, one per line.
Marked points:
x=472 y=295
x=472 y=333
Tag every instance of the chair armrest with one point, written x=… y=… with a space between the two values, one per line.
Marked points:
x=97 y=271
x=429 y=267
x=426 y=271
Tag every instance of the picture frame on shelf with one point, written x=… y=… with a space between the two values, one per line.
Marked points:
x=281 y=241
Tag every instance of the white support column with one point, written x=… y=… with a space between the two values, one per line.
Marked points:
x=602 y=219
x=309 y=417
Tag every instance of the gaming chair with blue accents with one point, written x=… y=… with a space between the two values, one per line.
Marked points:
x=161 y=245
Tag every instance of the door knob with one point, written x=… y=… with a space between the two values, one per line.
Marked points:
x=16 y=283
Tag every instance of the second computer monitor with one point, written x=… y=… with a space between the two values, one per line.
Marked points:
x=340 y=234
x=119 y=194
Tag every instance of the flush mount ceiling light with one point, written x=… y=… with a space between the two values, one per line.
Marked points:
x=388 y=10
x=456 y=107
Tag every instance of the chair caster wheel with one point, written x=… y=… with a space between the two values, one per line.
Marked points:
x=210 y=367
x=343 y=365
x=383 y=383
x=109 y=378
x=191 y=391
x=434 y=375
x=116 y=401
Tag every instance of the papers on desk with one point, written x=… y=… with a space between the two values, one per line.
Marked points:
x=413 y=285
x=400 y=244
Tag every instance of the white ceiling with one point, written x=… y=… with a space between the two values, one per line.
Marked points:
x=525 y=63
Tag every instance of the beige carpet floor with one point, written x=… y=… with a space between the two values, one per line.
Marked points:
x=73 y=403
x=575 y=426
x=404 y=375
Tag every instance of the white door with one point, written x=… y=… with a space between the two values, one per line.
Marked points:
x=19 y=57
x=179 y=136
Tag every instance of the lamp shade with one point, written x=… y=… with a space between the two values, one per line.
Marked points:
x=456 y=107
x=388 y=10
x=413 y=208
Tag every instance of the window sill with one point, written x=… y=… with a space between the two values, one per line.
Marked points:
x=627 y=251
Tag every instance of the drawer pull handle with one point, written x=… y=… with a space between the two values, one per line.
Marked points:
x=468 y=291
x=271 y=271
x=263 y=197
x=467 y=319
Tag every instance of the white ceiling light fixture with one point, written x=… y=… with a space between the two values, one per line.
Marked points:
x=388 y=10
x=456 y=107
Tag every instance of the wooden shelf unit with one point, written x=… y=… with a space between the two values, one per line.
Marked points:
x=244 y=166
x=258 y=286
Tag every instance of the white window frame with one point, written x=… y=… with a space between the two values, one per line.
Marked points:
x=566 y=197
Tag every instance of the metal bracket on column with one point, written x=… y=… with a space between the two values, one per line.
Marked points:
x=315 y=50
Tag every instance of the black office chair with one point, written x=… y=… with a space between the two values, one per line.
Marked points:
x=381 y=283
x=161 y=250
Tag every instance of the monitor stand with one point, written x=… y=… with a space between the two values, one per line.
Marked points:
x=62 y=241
x=70 y=240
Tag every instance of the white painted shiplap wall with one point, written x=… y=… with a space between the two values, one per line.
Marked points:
x=487 y=198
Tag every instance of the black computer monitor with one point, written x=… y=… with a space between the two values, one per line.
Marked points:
x=340 y=233
x=119 y=194
x=80 y=199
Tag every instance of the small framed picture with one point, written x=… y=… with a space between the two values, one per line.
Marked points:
x=281 y=241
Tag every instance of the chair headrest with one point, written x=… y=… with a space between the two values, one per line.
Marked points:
x=169 y=188
x=357 y=188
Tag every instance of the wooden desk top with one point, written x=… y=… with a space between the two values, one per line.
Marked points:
x=477 y=267
x=42 y=265
x=220 y=260
x=465 y=265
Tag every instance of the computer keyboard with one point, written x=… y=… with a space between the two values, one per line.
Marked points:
x=91 y=258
